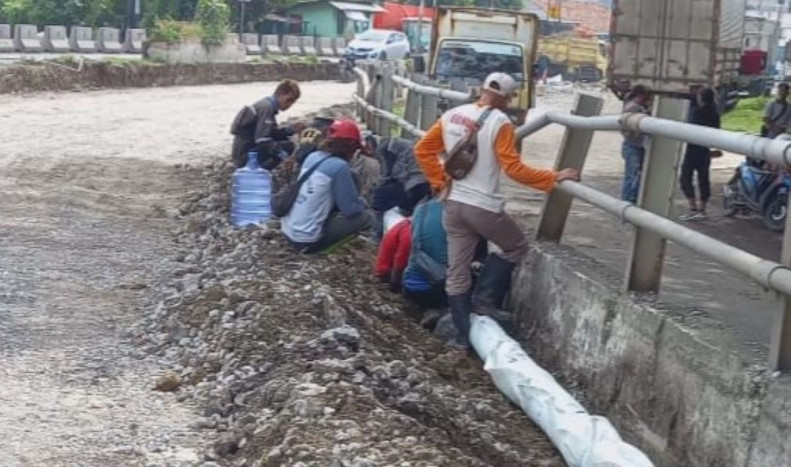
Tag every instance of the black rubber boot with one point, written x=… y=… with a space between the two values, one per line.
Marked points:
x=492 y=286
x=460 y=310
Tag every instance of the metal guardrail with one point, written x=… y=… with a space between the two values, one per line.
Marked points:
x=649 y=215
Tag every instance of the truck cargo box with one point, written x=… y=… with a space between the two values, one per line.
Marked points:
x=675 y=46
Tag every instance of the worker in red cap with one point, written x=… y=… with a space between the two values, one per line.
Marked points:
x=329 y=207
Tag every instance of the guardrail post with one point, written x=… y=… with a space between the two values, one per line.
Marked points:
x=386 y=97
x=428 y=110
x=572 y=153
x=371 y=119
x=361 y=93
x=411 y=111
x=780 y=343
x=647 y=256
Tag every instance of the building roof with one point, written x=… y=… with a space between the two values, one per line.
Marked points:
x=349 y=6
x=344 y=6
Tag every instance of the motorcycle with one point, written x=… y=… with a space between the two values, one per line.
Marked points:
x=761 y=190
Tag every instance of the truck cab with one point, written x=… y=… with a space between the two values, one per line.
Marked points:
x=467 y=44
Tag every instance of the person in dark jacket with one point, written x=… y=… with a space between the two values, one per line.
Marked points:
x=255 y=128
x=697 y=159
x=402 y=183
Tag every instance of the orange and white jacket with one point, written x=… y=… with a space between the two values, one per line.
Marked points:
x=496 y=152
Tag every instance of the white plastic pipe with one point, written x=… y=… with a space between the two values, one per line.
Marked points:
x=777 y=151
x=434 y=91
x=582 y=439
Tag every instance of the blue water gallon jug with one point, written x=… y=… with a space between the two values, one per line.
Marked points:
x=251 y=194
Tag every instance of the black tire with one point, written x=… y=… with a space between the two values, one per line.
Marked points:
x=383 y=56
x=774 y=215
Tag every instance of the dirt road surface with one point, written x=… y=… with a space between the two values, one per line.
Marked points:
x=87 y=182
x=689 y=281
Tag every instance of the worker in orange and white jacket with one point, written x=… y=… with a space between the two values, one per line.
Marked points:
x=474 y=205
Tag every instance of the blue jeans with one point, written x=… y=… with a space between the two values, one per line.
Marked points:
x=633 y=169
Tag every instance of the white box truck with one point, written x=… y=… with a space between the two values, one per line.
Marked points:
x=675 y=47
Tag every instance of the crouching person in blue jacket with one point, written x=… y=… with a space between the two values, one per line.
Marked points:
x=329 y=207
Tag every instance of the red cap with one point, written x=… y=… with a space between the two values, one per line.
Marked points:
x=346 y=129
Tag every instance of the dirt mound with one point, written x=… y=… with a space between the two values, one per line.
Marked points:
x=306 y=360
x=76 y=76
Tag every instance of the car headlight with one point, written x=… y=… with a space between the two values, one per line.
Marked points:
x=374 y=54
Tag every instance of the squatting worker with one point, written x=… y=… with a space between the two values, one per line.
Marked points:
x=474 y=205
x=255 y=128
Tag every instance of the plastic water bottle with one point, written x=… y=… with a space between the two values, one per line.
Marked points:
x=251 y=193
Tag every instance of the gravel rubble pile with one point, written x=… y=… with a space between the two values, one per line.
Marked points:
x=308 y=361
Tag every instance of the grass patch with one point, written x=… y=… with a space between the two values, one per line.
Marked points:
x=747 y=116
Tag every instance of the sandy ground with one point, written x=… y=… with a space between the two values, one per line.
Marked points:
x=689 y=281
x=86 y=183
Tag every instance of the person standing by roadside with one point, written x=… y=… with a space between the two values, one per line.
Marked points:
x=698 y=158
x=255 y=128
x=474 y=204
x=633 y=147
x=777 y=115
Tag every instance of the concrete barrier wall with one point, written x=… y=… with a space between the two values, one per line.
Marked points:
x=98 y=75
x=81 y=40
x=108 y=40
x=324 y=46
x=56 y=39
x=270 y=44
x=26 y=38
x=251 y=43
x=675 y=383
x=307 y=45
x=292 y=45
x=133 y=40
x=6 y=39
x=339 y=43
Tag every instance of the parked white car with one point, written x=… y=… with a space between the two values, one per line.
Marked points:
x=380 y=44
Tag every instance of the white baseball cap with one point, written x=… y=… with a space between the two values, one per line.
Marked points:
x=501 y=83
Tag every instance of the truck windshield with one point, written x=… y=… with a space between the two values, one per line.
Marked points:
x=476 y=59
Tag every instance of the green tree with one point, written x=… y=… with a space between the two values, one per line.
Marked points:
x=67 y=12
x=212 y=16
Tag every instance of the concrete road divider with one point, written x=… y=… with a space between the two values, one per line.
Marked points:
x=81 y=40
x=308 y=45
x=56 y=39
x=271 y=44
x=108 y=40
x=6 y=42
x=133 y=40
x=251 y=44
x=292 y=45
x=339 y=44
x=26 y=38
x=324 y=46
